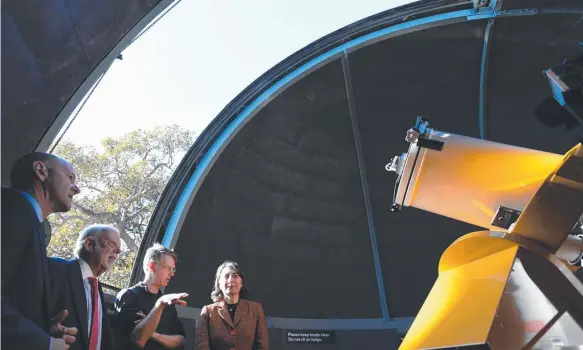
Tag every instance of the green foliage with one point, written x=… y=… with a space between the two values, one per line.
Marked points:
x=120 y=185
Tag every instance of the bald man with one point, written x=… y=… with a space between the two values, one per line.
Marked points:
x=42 y=184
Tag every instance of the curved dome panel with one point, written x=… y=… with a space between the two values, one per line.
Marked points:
x=289 y=180
x=53 y=52
x=285 y=200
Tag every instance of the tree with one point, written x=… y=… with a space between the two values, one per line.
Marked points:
x=120 y=184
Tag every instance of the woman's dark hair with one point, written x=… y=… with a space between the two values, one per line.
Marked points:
x=217 y=294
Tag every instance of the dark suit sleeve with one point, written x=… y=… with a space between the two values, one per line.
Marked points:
x=16 y=235
x=261 y=338
x=57 y=273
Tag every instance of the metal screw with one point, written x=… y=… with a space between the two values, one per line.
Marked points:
x=412 y=135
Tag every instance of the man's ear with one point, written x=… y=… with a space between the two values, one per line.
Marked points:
x=151 y=265
x=40 y=170
x=89 y=244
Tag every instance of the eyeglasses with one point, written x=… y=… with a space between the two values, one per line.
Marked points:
x=170 y=269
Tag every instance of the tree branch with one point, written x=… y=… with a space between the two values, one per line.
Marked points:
x=133 y=197
x=91 y=187
x=132 y=246
x=94 y=215
x=136 y=213
x=158 y=166
x=64 y=220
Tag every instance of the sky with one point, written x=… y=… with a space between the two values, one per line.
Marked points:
x=187 y=67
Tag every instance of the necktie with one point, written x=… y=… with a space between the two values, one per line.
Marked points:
x=94 y=335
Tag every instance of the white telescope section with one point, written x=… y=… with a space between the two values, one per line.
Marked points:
x=469 y=178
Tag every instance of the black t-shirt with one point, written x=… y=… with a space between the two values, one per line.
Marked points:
x=232 y=310
x=138 y=299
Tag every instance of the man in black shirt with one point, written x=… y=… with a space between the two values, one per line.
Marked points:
x=145 y=317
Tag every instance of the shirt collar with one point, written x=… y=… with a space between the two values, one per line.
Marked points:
x=35 y=205
x=86 y=271
x=143 y=285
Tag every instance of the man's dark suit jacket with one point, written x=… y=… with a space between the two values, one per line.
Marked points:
x=69 y=293
x=26 y=309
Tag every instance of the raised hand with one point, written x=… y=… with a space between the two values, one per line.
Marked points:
x=60 y=331
x=169 y=299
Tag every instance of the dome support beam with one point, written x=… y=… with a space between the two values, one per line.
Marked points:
x=483 y=75
x=365 y=188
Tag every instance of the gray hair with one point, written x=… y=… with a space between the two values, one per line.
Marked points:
x=155 y=254
x=92 y=231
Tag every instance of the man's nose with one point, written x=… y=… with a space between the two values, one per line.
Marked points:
x=76 y=189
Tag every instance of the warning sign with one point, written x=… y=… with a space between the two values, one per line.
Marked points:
x=311 y=337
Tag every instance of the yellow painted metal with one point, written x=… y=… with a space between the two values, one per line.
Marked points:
x=472 y=246
x=462 y=304
x=467 y=181
x=557 y=205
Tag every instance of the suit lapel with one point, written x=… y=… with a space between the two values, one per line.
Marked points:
x=107 y=340
x=48 y=302
x=45 y=263
x=241 y=308
x=224 y=313
x=78 y=290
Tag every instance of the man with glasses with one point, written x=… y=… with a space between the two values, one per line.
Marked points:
x=145 y=317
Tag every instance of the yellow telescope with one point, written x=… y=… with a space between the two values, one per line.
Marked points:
x=510 y=286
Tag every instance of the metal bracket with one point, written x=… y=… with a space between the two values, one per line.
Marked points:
x=558 y=86
x=478 y=4
x=485 y=6
x=420 y=128
x=492 y=12
x=414 y=135
x=505 y=217
x=430 y=144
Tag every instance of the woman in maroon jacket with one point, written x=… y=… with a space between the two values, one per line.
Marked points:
x=231 y=322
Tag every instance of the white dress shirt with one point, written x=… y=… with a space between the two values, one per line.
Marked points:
x=86 y=273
